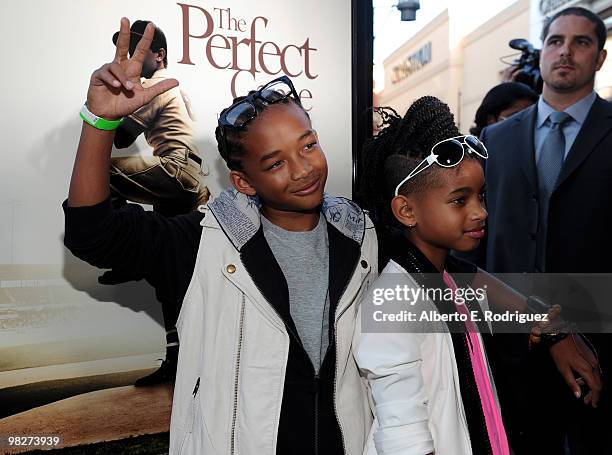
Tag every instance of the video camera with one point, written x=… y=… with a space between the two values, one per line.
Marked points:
x=528 y=63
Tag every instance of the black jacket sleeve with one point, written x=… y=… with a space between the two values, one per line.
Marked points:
x=138 y=243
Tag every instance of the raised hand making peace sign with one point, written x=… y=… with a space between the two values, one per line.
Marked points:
x=114 y=88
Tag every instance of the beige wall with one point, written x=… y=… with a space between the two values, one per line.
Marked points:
x=482 y=51
x=438 y=78
x=461 y=76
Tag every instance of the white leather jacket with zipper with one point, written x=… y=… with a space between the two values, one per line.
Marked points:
x=235 y=346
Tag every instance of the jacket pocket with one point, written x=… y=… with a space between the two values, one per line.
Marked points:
x=191 y=415
x=354 y=299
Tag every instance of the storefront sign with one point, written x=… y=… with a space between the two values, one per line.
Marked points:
x=411 y=64
x=546 y=6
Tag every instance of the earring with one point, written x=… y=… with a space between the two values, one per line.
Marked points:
x=410 y=226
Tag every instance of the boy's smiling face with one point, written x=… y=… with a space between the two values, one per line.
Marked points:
x=283 y=164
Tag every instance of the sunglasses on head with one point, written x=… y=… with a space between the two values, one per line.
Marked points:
x=448 y=153
x=245 y=110
x=242 y=112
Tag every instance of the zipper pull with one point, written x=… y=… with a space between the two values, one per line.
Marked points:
x=197 y=386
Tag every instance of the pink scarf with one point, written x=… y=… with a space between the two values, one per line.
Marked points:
x=493 y=420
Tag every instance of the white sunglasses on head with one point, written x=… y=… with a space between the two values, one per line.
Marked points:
x=448 y=153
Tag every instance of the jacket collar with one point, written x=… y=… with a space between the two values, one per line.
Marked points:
x=408 y=256
x=578 y=111
x=239 y=216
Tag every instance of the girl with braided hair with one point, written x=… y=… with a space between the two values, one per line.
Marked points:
x=401 y=144
x=431 y=384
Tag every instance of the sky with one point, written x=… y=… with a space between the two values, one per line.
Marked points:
x=390 y=32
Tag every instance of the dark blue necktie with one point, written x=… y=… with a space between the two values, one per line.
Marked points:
x=549 y=165
x=552 y=153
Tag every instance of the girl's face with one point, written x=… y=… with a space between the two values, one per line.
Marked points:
x=451 y=215
x=284 y=163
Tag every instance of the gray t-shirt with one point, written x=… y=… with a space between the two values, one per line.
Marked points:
x=304 y=259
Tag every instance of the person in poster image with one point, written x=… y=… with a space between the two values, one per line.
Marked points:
x=269 y=273
x=171 y=179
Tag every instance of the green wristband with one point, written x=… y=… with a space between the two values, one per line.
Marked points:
x=98 y=122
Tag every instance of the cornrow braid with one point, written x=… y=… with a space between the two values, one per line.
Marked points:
x=390 y=156
x=375 y=152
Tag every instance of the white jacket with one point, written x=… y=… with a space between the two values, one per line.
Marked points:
x=234 y=346
x=415 y=385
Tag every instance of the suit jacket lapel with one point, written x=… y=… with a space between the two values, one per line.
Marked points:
x=597 y=124
x=525 y=149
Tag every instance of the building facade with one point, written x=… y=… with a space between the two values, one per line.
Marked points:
x=461 y=69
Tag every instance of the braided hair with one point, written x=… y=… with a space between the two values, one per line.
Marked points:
x=231 y=149
x=389 y=157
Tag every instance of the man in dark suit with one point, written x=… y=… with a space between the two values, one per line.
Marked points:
x=549 y=198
